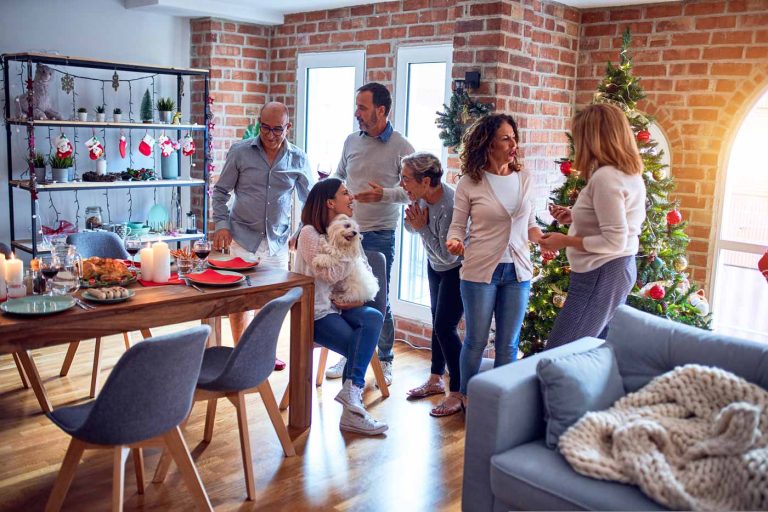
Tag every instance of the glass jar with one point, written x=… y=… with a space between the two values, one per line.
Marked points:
x=93 y=217
x=191 y=223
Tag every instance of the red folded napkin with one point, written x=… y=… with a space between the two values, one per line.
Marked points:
x=212 y=277
x=233 y=263
x=174 y=279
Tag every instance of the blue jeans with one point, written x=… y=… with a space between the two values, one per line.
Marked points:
x=504 y=297
x=383 y=241
x=353 y=334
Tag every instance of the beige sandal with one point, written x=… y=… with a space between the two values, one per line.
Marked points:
x=427 y=389
x=447 y=410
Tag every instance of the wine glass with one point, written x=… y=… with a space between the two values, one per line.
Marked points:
x=201 y=248
x=49 y=267
x=132 y=245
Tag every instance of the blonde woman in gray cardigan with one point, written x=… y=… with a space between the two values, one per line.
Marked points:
x=605 y=222
x=495 y=198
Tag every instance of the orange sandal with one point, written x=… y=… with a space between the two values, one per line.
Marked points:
x=427 y=389
x=448 y=410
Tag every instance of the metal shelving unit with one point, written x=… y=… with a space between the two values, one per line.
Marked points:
x=32 y=185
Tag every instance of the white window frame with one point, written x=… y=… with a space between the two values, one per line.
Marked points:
x=407 y=55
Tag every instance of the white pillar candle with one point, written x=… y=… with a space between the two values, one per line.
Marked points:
x=14 y=270
x=3 y=292
x=161 y=262
x=145 y=256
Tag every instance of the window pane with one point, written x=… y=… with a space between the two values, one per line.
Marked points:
x=330 y=115
x=426 y=93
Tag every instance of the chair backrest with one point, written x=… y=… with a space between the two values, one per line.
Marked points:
x=379 y=267
x=4 y=249
x=253 y=359
x=149 y=391
x=98 y=243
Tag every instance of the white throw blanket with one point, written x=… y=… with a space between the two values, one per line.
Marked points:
x=693 y=438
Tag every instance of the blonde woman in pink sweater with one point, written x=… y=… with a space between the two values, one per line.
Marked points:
x=495 y=199
x=605 y=222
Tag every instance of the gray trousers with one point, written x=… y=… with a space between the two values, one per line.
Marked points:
x=592 y=300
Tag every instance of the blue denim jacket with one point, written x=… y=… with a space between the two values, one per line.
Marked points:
x=261 y=206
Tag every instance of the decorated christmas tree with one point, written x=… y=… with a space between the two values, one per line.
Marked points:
x=662 y=286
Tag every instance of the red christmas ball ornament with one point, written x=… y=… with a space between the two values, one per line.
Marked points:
x=566 y=168
x=643 y=136
x=762 y=265
x=657 y=292
x=674 y=217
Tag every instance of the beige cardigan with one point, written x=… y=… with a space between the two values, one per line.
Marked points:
x=492 y=228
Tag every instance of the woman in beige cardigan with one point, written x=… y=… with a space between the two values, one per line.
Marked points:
x=496 y=195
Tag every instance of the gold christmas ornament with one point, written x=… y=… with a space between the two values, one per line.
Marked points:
x=558 y=300
x=681 y=263
x=658 y=174
x=536 y=271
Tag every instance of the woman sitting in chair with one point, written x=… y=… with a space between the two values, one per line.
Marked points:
x=350 y=329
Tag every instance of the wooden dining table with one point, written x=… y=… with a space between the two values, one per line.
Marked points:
x=157 y=306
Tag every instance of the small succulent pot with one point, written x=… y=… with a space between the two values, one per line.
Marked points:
x=101 y=117
x=82 y=116
x=116 y=117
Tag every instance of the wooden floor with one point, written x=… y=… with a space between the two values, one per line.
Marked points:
x=416 y=465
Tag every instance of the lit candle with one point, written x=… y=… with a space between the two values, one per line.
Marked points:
x=14 y=270
x=161 y=261
x=145 y=256
x=3 y=292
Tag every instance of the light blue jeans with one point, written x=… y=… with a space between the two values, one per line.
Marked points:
x=384 y=242
x=504 y=297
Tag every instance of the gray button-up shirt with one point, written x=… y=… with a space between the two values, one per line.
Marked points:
x=261 y=206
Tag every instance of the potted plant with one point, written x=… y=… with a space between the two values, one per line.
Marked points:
x=146 y=108
x=166 y=106
x=101 y=113
x=117 y=114
x=82 y=114
x=39 y=164
x=61 y=168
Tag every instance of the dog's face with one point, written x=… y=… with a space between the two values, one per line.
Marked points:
x=43 y=73
x=344 y=234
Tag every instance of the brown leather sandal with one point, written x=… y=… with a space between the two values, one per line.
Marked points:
x=427 y=389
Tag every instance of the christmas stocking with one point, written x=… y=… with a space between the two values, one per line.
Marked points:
x=145 y=146
x=187 y=145
x=63 y=146
x=122 y=146
x=95 y=148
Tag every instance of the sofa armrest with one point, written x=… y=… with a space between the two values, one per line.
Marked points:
x=505 y=410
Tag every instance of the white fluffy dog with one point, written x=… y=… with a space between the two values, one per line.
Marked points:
x=343 y=247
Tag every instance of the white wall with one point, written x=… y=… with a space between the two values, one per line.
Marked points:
x=99 y=29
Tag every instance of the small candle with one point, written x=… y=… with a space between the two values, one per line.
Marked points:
x=14 y=270
x=16 y=290
x=161 y=261
x=3 y=291
x=145 y=256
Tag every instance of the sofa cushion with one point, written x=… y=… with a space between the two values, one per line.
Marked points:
x=575 y=384
x=533 y=477
x=647 y=346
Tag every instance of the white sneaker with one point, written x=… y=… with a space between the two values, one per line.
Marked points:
x=386 y=367
x=364 y=424
x=351 y=397
x=337 y=370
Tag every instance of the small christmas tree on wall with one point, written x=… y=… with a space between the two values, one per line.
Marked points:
x=662 y=286
x=460 y=112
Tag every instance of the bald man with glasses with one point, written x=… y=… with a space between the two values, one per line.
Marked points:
x=252 y=197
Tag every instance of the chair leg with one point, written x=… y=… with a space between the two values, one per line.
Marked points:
x=20 y=368
x=238 y=401
x=96 y=369
x=138 y=466
x=119 y=456
x=286 y=397
x=180 y=452
x=66 y=475
x=321 y=367
x=162 y=467
x=127 y=340
x=34 y=379
x=210 y=416
x=146 y=333
x=379 y=373
x=67 y=364
x=277 y=420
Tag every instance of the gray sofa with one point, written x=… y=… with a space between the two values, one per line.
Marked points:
x=506 y=464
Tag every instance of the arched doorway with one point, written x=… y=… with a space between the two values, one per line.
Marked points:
x=741 y=295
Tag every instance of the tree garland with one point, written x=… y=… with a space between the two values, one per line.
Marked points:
x=461 y=112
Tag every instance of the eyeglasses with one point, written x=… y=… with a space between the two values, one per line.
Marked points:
x=276 y=130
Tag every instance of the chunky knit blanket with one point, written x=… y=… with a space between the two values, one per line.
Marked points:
x=694 y=438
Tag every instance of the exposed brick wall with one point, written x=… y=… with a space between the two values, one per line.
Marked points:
x=702 y=64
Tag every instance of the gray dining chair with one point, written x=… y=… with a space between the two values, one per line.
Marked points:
x=232 y=373
x=102 y=244
x=379 y=268
x=145 y=399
